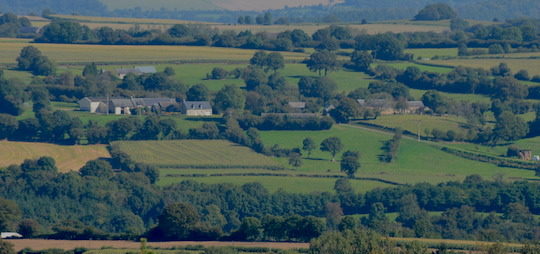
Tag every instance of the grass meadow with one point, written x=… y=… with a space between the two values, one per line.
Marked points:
x=531 y=65
x=67 y=157
x=415 y=123
x=195 y=154
x=416 y=161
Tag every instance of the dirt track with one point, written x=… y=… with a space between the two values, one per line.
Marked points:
x=37 y=244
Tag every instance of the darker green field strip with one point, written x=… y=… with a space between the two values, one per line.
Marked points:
x=284 y=175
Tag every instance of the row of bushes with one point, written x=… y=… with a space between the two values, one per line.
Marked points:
x=493 y=160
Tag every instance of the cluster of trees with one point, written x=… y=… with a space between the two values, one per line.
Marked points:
x=31 y=59
x=10 y=25
x=60 y=31
x=391 y=147
x=91 y=204
x=437 y=11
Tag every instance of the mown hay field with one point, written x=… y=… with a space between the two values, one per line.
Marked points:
x=79 y=54
x=163 y=24
x=416 y=161
x=531 y=65
x=67 y=157
x=195 y=154
x=39 y=244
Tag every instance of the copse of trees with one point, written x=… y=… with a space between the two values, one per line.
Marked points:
x=31 y=59
x=437 y=11
x=10 y=25
x=322 y=62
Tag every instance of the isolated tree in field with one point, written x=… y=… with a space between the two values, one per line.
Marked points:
x=309 y=146
x=509 y=127
x=229 y=97
x=332 y=145
x=295 y=160
x=349 y=163
x=178 y=220
x=90 y=70
x=198 y=92
x=275 y=61
x=346 y=110
x=388 y=48
x=323 y=62
x=259 y=59
x=361 y=60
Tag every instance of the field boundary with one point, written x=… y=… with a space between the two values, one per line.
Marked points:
x=180 y=166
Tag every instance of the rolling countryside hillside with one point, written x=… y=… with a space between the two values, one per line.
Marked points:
x=232 y=5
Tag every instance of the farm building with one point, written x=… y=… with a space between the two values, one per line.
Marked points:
x=136 y=70
x=122 y=106
x=8 y=235
x=297 y=106
x=389 y=107
x=197 y=108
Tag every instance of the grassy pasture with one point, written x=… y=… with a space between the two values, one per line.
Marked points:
x=416 y=162
x=532 y=144
x=80 y=54
x=531 y=65
x=418 y=123
x=67 y=157
x=195 y=153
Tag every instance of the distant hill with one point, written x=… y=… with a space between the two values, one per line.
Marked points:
x=227 y=11
x=231 y=5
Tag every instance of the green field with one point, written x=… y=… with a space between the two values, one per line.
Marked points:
x=531 y=65
x=416 y=162
x=195 y=154
x=418 y=123
x=181 y=159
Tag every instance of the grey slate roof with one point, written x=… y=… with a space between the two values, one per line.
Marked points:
x=415 y=104
x=197 y=105
x=297 y=104
x=137 y=70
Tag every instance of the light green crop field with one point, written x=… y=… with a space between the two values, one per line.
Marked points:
x=418 y=123
x=78 y=54
x=422 y=67
x=416 y=162
x=67 y=157
x=531 y=65
x=195 y=153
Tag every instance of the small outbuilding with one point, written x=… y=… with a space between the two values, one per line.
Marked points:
x=139 y=70
x=10 y=235
x=197 y=108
